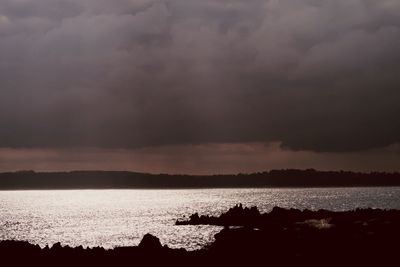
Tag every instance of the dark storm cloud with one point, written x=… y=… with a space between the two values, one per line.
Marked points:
x=312 y=74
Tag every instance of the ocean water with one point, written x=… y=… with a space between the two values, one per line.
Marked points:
x=111 y=218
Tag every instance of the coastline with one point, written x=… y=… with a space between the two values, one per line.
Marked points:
x=282 y=236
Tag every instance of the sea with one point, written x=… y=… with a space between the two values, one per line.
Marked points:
x=114 y=218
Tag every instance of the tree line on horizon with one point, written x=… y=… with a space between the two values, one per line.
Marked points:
x=125 y=179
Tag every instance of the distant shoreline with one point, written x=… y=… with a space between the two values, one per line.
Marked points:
x=196 y=188
x=290 y=178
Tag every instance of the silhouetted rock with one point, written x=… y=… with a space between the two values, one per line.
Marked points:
x=282 y=237
x=238 y=215
x=150 y=242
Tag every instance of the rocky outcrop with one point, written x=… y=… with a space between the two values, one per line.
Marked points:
x=238 y=215
x=282 y=237
x=280 y=217
x=150 y=242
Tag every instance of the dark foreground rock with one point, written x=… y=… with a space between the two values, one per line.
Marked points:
x=150 y=252
x=280 y=218
x=283 y=237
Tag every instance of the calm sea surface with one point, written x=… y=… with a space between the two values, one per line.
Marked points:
x=112 y=218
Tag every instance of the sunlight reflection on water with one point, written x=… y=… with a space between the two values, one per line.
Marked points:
x=112 y=218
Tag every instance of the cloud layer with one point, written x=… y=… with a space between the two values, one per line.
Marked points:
x=314 y=75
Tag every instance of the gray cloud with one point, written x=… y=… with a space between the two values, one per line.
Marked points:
x=313 y=74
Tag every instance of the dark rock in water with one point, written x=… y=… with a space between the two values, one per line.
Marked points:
x=150 y=242
x=238 y=215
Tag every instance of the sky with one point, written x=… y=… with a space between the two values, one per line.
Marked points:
x=199 y=87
